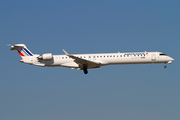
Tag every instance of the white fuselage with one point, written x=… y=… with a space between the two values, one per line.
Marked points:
x=101 y=59
x=86 y=61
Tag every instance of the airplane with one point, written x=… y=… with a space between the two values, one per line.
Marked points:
x=87 y=61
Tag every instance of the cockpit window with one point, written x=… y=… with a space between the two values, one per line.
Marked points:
x=162 y=54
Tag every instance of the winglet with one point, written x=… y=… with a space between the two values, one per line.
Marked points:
x=66 y=52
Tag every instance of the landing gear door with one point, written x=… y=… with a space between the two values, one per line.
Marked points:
x=153 y=57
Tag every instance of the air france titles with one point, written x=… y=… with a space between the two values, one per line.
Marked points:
x=139 y=54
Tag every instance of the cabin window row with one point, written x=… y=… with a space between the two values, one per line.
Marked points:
x=101 y=56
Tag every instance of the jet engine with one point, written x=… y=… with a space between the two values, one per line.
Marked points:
x=46 y=56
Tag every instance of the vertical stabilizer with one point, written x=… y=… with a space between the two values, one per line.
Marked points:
x=22 y=50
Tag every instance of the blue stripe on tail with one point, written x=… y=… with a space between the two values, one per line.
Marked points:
x=27 y=51
x=24 y=52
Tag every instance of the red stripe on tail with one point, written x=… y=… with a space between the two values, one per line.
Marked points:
x=20 y=53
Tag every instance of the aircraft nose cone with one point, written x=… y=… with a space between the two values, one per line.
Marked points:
x=170 y=60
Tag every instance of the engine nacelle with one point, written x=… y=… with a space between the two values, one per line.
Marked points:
x=47 y=56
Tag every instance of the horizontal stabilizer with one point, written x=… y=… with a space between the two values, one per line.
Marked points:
x=14 y=47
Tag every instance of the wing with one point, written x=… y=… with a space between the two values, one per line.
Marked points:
x=82 y=62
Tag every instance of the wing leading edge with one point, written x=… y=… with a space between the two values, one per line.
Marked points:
x=83 y=63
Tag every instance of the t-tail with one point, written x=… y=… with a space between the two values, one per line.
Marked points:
x=22 y=50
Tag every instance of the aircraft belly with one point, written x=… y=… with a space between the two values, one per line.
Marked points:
x=130 y=61
x=70 y=65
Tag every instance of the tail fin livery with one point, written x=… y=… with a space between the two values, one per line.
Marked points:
x=22 y=50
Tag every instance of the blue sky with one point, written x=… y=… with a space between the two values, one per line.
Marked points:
x=128 y=92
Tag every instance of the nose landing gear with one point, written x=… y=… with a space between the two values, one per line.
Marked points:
x=165 y=65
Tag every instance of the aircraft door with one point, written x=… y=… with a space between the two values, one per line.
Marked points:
x=153 y=57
